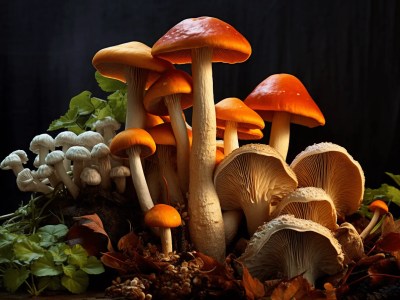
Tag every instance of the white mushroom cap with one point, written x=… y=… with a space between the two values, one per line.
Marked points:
x=65 y=140
x=253 y=178
x=48 y=172
x=287 y=247
x=332 y=168
x=22 y=155
x=78 y=155
x=27 y=183
x=119 y=174
x=41 y=144
x=309 y=203
x=90 y=176
x=12 y=162
x=101 y=153
x=107 y=128
x=89 y=138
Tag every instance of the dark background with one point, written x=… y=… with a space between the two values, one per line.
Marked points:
x=345 y=52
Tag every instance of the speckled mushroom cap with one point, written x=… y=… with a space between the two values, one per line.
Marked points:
x=228 y=44
x=332 y=168
x=309 y=203
x=286 y=247
x=252 y=178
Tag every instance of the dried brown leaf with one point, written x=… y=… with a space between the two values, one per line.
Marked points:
x=253 y=287
x=297 y=288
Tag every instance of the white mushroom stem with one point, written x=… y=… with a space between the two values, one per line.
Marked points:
x=280 y=133
x=205 y=223
x=231 y=141
x=178 y=125
x=371 y=224
x=135 y=112
x=232 y=219
x=26 y=183
x=138 y=179
x=166 y=240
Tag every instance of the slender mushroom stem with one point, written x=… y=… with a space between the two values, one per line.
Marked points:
x=371 y=224
x=135 y=112
x=182 y=139
x=280 y=133
x=138 y=179
x=206 y=223
x=231 y=141
x=166 y=240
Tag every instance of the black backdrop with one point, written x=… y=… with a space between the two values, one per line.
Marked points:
x=345 y=52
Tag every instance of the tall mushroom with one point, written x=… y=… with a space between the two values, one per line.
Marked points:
x=287 y=247
x=330 y=167
x=132 y=63
x=170 y=95
x=253 y=178
x=232 y=116
x=134 y=144
x=202 y=41
x=283 y=99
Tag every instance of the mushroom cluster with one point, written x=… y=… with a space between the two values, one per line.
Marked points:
x=293 y=212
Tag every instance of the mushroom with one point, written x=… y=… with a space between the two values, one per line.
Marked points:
x=309 y=203
x=232 y=115
x=232 y=220
x=90 y=177
x=134 y=144
x=55 y=159
x=243 y=134
x=201 y=41
x=131 y=63
x=65 y=140
x=166 y=152
x=89 y=139
x=101 y=153
x=27 y=183
x=12 y=162
x=22 y=155
x=287 y=247
x=107 y=127
x=118 y=174
x=379 y=208
x=78 y=155
x=170 y=95
x=351 y=242
x=48 y=172
x=283 y=99
x=253 y=178
x=164 y=217
x=332 y=168
x=41 y=145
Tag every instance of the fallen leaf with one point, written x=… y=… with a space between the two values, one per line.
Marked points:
x=297 y=288
x=212 y=266
x=93 y=242
x=129 y=243
x=390 y=242
x=253 y=287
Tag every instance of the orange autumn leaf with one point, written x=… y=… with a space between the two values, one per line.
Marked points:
x=297 y=288
x=212 y=266
x=390 y=242
x=253 y=287
x=129 y=243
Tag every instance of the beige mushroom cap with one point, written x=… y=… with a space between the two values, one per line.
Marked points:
x=332 y=168
x=252 y=178
x=309 y=203
x=351 y=241
x=287 y=247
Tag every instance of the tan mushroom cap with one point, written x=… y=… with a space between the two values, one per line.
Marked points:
x=351 y=241
x=285 y=93
x=171 y=82
x=287 y=247
x=309 y=203
x=332 y=168
x=132 y=137
x=235 y=110
x=113 y=61
x=228 y=44
x=252 y=178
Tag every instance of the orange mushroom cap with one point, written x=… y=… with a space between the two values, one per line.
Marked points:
x=243 y=133
x=228 y=44
x=379 y=205
x=132 y=137
x=162 y=215
x=163 y=134
x=285 y=92
x=171 y=82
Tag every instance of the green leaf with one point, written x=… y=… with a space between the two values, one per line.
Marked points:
x=27 y=251
x=13 y=278
x=6 y=253
x=77 y=283
x=58 y=252
x=98 y=103
x=108 y=84
x=83 y=103
x=51 y=234
x=77 y=255
x=117 y=103
x=396 y=178
x=52 y=283
x=45 y=266
x=69 y=270
x=93 y=266
x=66 y=121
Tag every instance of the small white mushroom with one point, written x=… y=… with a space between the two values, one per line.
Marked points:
x=22 y=155
x=90 y=176
x=118 y=174
x=27 y=183
x=48 y=172
x=101 y=153
x=55 y=159
x=65 y=140
x=41 y=145
x=107 y=127
x=89 y=138
x=12 y=162
x=78 y=155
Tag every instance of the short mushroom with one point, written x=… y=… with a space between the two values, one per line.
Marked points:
x=330 y=167
x=283 y=99
x=164 y=217
x=55 y=159
x=202 y=41
x=41 y=145
x=232 y=115
x=253 y=178
x=379 y=208
x=107 y=127
x=89 y=139
x=90 y=177
x=134 y=144
x=101 y=153
x=12 y=162
x=65 y=140
x=132 y=63
x=46 y=171
x=351 y=242
x=118 y=174
x=27 y=183
x=78 y=155
x=287 y=247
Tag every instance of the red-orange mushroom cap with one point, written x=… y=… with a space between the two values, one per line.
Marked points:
x=163 y=215
x=132 y=137
x=229 y=46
